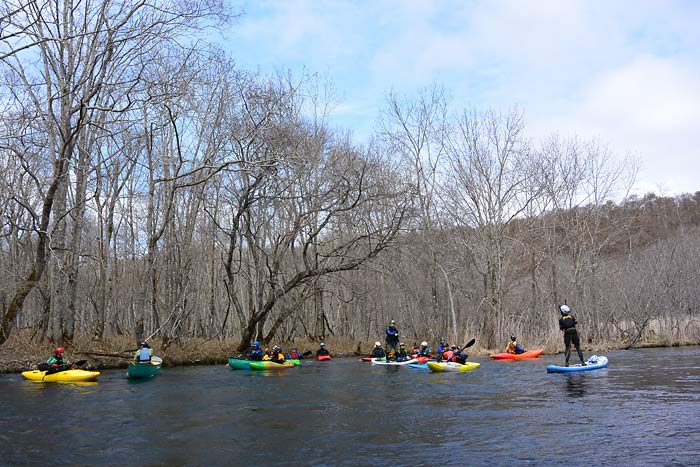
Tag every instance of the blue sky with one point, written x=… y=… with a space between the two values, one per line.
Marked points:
x=624 y=72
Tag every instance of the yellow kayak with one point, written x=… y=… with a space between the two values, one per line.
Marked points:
x=439 y=367
x=67 y=376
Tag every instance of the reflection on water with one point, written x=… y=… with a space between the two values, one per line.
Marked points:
x=351 y=413
x=575 y=384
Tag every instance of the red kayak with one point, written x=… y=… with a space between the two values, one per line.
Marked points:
x=518 y=356
x=321 y=358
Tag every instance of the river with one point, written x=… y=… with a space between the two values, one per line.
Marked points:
x=644 y=409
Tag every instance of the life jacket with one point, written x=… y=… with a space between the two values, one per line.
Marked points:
x=424 y=352
x=447 y=355
x=567 y=323
x=144 y=354
x=511 y=346
x=294 y=355
x=378 y=353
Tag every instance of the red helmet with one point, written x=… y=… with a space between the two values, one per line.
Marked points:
x=59 y=350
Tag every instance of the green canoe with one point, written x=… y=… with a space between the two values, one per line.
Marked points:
x=144 y=369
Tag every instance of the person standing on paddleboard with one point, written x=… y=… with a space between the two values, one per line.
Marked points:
x=567 y=323
x=392 y=339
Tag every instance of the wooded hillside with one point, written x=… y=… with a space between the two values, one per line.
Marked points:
x=152 y=188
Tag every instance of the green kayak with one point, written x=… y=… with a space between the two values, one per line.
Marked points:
x=144 y=369
x=240 y=364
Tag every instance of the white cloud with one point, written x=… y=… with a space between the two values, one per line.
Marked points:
x=649 y=107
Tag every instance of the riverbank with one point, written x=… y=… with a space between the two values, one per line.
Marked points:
x=21 y=352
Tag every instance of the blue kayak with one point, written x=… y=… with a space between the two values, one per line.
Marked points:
x=593 y=363
x=421 y=366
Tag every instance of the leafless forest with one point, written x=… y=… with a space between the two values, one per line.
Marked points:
x=151 y=187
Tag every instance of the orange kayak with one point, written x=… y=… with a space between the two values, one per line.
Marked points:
x=518 y=356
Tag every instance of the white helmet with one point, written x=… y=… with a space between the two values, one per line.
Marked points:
x=377 y=344
x=424 y=344
x=564 y=309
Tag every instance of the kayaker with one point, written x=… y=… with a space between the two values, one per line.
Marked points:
x=294 y=354
x=322 y=350
x=378 y=351
x=458 y=356
x=424 y=350
x=144 y=354
x=392 y=339
x=513 y=346
x=402 y=355
x=442 y=347
x=448 y=353
x=256 y=353
x=57 y=362
x=567 y=323
x=275 y=355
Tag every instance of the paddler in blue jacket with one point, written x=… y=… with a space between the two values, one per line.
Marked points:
x=392 y=338
x=256 y=354
x=294 y=354
x=567 y=323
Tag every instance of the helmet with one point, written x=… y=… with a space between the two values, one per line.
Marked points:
x=322 y=344
x=424 y=344
x=402 y=345
x=145 y=344
x=454 y=347
x=512 y=338
x=377 y=344
x=256 y=344
x=442 y=339
x=59 y=350
x=393 y=322
x=294 y=348
x=276 y=347
x=564 y=309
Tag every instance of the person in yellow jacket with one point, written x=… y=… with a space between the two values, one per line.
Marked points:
x=275 y=355
x=513 y=346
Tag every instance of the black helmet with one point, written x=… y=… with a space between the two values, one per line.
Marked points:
x=512 y=338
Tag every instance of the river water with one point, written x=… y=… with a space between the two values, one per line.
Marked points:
x=644 y=409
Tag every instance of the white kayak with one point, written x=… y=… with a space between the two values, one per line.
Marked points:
x=376 y=361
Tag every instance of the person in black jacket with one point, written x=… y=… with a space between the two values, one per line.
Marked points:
x=378 y=352
x=567 y=323
x=322 y=350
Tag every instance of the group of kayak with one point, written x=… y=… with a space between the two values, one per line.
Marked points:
x=446 y=359
x=275 y=359
x=59 y=370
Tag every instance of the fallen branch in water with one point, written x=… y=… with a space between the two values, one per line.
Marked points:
x=105 y=354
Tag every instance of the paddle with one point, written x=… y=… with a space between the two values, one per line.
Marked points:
x=307 y=353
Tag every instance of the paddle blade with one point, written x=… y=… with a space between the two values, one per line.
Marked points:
x=307 y=353
x=156 y=360
x=470 y=343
